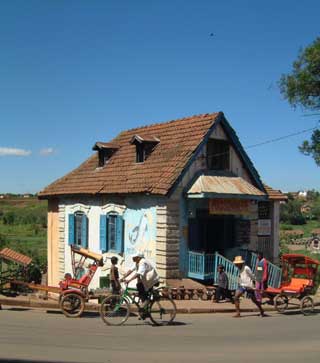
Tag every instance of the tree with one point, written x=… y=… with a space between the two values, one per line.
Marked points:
x=302 y=88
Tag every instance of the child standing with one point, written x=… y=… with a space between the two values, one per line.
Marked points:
x=114 y=276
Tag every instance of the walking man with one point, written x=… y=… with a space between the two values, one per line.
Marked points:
x=246 y=278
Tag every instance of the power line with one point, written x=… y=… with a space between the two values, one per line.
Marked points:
x=281 y=138
x=269 y=141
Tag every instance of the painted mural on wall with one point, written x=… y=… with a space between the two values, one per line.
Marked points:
x=140 y=234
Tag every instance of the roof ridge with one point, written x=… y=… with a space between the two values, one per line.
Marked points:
x=202 y=116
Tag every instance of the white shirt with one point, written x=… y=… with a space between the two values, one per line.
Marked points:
x=146 y=272
x=246 y=277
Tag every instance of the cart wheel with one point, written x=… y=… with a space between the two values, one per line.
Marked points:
x=114 y=310
x=307 y=306
x=72 y=305
x=280 y=303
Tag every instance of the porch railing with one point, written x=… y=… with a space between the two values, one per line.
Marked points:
x=204 y=266
x=230 y=269
x=274 y=272
x=201 y=265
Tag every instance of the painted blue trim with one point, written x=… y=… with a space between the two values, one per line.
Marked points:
x=119 y=234
x=103 y=233
x=70 y=229
x=84 y=231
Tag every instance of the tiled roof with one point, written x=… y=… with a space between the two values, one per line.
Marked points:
x=274 y=194
x=122 y=175
x=14 y=256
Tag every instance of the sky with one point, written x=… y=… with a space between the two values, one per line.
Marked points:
x=73 y=72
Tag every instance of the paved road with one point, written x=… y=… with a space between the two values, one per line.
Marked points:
x=36 y=335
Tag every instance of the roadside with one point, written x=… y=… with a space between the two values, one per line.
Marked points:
x=183 y=306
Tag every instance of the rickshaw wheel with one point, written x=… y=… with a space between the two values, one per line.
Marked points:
x=72 y=305
x=307 y=306
x=280 y=303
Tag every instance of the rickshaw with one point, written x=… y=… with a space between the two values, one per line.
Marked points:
x=299 y=274
x=73 y=290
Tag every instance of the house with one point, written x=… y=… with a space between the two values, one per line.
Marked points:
x=178 y=191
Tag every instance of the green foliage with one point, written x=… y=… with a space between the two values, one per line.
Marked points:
x=312 y=147
x=291 y=213
x=23 y=227
x=302 y=87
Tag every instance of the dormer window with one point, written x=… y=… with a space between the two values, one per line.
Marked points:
x=105 y=151
x=144 y=146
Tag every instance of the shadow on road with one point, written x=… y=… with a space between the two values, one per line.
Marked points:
x=18 y=309
x=8 y=360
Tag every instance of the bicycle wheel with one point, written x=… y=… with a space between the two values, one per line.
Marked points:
x=72 y=305
x=280 y=303
x=114 y=310
x=307 y=306
x=162 y=311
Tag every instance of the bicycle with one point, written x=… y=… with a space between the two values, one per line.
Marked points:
x=116 y=309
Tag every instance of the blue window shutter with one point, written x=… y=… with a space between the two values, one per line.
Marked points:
x=84 y=231
x=103 y=233
x=119 y=234
x=71 y=229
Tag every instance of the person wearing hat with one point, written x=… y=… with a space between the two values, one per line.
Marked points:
x=246 y=278
x=222 y=288
x=145 y=274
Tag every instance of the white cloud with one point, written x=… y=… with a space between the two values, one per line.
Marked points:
x=10 y=151
x=47 y=151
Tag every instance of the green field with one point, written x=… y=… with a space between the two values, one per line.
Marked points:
x=23 y=226
x=306 y=228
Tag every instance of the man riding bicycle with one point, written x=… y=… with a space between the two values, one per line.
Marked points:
x=146 y=276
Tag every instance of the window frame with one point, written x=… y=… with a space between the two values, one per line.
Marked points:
x=220 y=162
x=106 y=233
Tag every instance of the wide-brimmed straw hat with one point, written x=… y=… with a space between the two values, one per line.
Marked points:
x=238 y=260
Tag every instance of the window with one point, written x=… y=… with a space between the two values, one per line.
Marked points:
x=112 y=237
x=104 y=156
x=218 y=154
x=144 y=146
x=111 y=233
x=78 y=229
x=140 y=153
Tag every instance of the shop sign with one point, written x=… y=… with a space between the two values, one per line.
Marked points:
x=264 y=227
x=229 y=206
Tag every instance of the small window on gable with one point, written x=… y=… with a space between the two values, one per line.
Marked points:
x=144 y=146
x=218 y=154
x=105 y=152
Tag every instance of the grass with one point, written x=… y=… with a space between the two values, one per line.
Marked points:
x=306 y=228
x=27 y=233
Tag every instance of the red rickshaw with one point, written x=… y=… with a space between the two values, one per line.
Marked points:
x=298 y=283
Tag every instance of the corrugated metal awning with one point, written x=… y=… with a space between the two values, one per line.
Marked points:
x=224 y=186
